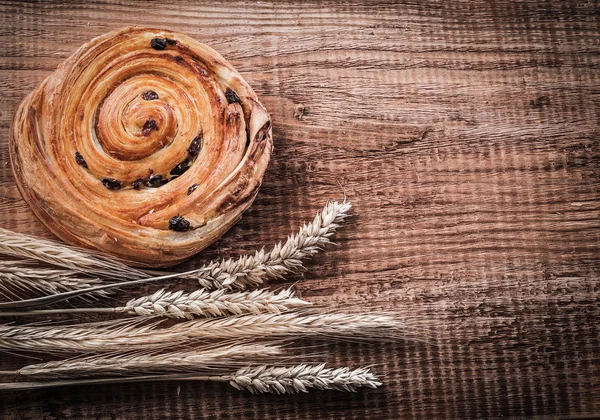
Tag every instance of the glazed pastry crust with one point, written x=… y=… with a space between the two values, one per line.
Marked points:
x=144 y=152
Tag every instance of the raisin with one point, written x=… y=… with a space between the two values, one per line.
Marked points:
x=112 y=183
x=170 y=41
x=138 y=184
x=195 y=146
x=80 y=160
x=150 y=95
x=179 y=58
x=232 y=96
x=149 y=125
x=179 y=224
x=155 y=181
x=181 y=168
x=192 y=188
x=158 y=43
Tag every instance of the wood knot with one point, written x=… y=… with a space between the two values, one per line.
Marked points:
x=300 y=111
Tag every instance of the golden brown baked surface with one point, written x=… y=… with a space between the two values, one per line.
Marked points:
x=145 y=144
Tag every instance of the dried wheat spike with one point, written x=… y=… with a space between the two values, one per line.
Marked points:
x=62 y=255
x=292 y=380
x=136 y=363
x=120 y=336
x=22 y=276
x=277 y=380
x=212 y=304
x=252 y=270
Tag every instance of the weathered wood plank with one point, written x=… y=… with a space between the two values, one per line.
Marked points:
x=466 y=134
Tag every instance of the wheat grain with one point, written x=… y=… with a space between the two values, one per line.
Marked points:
x=252 y=270
x=189 y=361
x=292 y=380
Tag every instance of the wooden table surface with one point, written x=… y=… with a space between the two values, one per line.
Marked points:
x=466 y=135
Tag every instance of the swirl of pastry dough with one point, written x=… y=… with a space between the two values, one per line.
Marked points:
x=145 y=144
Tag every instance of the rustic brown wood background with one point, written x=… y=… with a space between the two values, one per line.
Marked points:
x=465 y=133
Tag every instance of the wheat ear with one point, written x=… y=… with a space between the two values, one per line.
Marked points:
x=18 y=276
x=212 y=304
x=290 y=324
x=118 y=336
x=92 y=337
x=188 y=305
x=292 y=380
x=252 y=270
x=277 y=380
x=62 y=255
x=189 y=361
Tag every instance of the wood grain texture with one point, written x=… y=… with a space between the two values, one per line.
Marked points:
x=465 y=133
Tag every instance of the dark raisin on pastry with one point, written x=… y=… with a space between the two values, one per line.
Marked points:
x=179 y=224
x=112 y=183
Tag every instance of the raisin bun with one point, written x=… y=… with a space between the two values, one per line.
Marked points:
x=145 y=144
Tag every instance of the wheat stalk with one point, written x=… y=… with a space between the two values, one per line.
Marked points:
x=59 y=297
x=252 y=270
x=188 y=305
x=118 y=335
x=62 y=255
x=261 y=379
x=292 y=380
x=22 y=276
x=189 y=361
